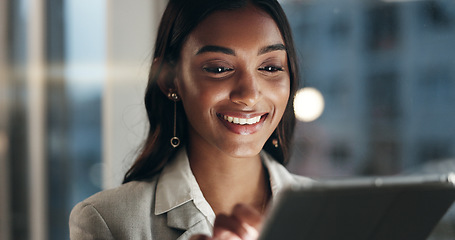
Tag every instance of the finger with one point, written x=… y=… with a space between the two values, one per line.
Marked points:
x=226 y=227
x=200 y=237
x=248 y=215
x=226 y=235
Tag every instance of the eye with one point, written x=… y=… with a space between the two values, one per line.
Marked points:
x=217 y=69
x=271 y=69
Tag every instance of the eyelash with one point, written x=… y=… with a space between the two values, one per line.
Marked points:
x=218 y=70
x=271 y=69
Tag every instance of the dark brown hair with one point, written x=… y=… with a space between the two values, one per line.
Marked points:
x=179 y=19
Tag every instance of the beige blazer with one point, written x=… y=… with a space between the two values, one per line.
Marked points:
x=128 y=211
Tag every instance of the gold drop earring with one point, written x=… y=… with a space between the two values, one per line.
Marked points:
x=175 y=141
x=275 y=142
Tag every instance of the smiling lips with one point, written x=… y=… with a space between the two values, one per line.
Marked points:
x=242 y=121
x=243 y=126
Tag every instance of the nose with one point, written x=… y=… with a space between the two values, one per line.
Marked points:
x=246 y=90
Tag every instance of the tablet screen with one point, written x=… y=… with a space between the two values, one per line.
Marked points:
x=405 y=207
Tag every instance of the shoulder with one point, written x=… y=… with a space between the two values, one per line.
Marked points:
x=138 y=190
x=298 y=179
x=127 y=197
x=280 y=177
x=280 y=171
x=111 y=212
x=284 y=173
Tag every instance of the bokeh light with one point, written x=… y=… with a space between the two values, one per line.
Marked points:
x=308 y=104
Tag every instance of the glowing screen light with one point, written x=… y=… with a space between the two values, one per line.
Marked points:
x=308 y=104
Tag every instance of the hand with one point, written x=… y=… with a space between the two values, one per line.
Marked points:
x=244 y=223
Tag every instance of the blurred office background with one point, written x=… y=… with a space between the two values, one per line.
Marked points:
x=378 y=79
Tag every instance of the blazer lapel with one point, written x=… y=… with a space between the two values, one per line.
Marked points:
x=199 y=228
x=188 y=218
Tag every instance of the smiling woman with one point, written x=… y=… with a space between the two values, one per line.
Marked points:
x=248 y=85
x=220 y=107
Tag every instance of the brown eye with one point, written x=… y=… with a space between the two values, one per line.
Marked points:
x=271 y=69
x=217 y=69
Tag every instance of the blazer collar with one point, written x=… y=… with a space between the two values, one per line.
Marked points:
x=187 y=217
x=178 y=194
x=174 y=188
x=177 y=184
x=280 y=177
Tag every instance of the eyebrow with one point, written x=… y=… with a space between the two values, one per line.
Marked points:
x=228 y=51
x=212 y=48
x=271 y=48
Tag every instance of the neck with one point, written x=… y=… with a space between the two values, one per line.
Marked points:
x=226 y=181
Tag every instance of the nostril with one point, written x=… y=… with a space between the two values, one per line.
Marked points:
x=247 y=98
x=246 y=90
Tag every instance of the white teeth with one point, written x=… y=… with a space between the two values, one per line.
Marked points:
x=242 y=121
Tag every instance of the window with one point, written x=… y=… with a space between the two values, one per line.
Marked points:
x=436 y=14
x=392 y=82
x=382 y=27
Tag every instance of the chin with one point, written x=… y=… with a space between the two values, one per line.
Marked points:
x=244 y=151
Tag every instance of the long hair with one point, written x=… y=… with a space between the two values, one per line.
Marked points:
x=179 y=19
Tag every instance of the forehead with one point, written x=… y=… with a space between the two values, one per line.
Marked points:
x=249 y=28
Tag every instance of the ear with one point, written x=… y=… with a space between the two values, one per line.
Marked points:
x=166 y=76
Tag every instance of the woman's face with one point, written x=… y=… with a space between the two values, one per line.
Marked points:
x=233 y=80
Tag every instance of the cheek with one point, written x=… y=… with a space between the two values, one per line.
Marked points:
x=199 y=97
x=202 y=94
x=192 y=84
x=279 y=92
x=207 y=92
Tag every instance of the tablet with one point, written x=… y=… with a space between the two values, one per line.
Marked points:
x=385 y=208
